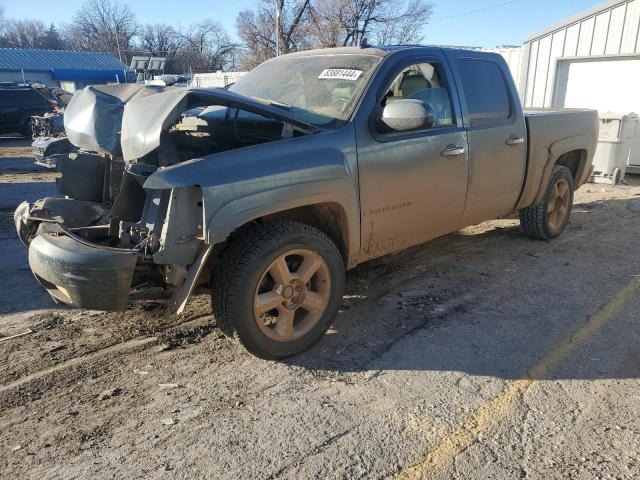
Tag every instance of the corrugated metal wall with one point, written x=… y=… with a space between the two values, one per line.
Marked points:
x=613 y=31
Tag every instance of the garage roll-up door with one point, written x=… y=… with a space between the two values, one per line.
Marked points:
x=607 y=85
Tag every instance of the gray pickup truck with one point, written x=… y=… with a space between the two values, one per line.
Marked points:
x=265 y=192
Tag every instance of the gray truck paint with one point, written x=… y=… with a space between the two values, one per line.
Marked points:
x=385 y=192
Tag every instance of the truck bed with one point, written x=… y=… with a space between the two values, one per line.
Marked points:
x=551 y=132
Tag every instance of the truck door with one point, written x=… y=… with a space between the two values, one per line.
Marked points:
x=413 y=183
x=496 y=133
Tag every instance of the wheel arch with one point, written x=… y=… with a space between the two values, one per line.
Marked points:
x=573 y=153
x=328 y=217
x=328 y=206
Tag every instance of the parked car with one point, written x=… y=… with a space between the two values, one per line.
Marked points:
x=19 y=102
x=311 y=163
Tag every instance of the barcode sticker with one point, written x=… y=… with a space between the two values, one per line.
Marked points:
x=340 y=74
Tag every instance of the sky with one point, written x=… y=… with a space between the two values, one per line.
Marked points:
x=474 y=23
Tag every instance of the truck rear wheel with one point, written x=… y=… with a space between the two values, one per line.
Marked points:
x=548 y=218
x=278 y=288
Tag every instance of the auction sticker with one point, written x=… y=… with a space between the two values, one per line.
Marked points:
x=340 y=74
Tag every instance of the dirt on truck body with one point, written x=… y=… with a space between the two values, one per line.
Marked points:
x=311 y=163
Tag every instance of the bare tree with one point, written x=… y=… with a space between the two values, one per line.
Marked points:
x=23 y=34
x=205 y=46
x=159 y=39
x=347 y=22
x=103 y=25
x=257 y=29
x=329 y=23
x=405 y=28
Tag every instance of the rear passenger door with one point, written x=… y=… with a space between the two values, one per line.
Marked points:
x=496 y=134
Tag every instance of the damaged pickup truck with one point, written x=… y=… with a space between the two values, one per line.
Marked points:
x=312 y=163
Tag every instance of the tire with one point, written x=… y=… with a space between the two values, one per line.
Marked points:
x=537 y=221
x=248 y=273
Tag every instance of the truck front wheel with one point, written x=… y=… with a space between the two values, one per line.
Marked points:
x=548 y=218
x=278 y=288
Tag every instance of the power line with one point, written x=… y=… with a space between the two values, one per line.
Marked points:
x=477 y=10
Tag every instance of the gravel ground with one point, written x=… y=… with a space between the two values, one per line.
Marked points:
x=482 y=354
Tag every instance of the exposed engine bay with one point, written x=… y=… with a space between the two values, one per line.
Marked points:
x=121 y=135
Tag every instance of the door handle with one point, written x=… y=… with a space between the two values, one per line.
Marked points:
x=513 y=140
x=452 y=151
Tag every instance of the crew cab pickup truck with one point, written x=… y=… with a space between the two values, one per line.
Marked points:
x=265 y=192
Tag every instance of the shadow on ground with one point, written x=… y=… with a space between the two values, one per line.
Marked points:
x=493 y=303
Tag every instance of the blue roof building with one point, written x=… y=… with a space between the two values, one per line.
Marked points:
x=62 y=68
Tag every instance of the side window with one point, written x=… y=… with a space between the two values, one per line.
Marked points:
x=485 y=91
x=29 y=97
x=423 y=82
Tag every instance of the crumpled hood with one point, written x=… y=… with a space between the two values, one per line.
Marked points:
x=93 y=117
x=130 y=118
x=145 y=117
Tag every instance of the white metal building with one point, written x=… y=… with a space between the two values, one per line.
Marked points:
x=589 y=60
x=513 y=56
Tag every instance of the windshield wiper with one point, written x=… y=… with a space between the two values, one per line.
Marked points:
x=273 y=103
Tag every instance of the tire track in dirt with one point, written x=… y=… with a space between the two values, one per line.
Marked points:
x=39 y=382
x=122 y=347
x=59 y=339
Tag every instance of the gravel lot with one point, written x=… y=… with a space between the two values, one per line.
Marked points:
x=482 y=354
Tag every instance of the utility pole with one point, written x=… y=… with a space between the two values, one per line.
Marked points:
x=118 y=45
x=277 y=28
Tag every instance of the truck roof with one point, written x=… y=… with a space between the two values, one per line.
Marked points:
x=379 y=51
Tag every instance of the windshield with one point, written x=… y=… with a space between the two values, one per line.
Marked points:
x=320 y=89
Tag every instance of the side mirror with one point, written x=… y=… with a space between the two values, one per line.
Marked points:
x=407 y=114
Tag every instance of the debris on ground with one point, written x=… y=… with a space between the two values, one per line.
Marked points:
x=170 y=385
x=112 y=392
x=26 y=332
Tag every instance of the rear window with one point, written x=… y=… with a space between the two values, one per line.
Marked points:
x=485 y=91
